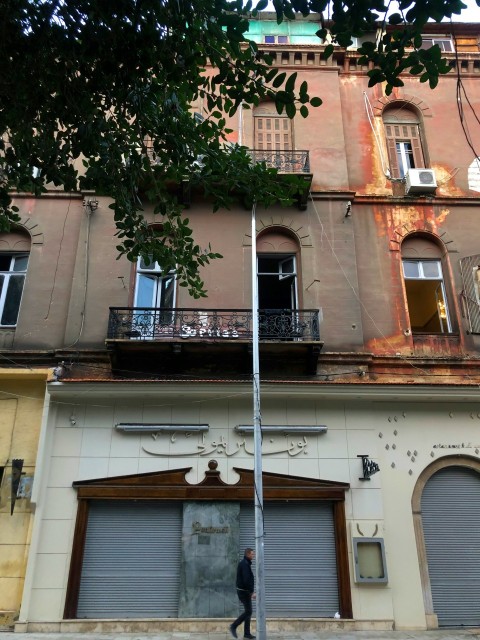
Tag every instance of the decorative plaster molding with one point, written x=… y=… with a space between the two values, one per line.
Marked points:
x=379 y=105
x=280 y=222
x=33 y=228
x=400 y=233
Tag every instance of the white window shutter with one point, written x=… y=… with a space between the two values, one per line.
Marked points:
x=470 y=269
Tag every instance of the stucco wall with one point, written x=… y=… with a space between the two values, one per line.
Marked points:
x=21 y=406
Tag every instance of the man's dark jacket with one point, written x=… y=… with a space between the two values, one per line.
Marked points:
x=245 y=579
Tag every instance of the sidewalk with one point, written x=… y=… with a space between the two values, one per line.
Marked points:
x=451 y=634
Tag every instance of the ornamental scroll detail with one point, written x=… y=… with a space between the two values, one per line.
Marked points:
x=220 y=446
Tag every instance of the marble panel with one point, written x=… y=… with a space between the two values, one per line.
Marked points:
x=210 y=539
x=67 y=441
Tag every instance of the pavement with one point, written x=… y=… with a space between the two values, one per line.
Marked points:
x=450 y=634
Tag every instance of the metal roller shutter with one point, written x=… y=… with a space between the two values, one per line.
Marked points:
x=300 y=558
x=451 y=525
x=131 y=563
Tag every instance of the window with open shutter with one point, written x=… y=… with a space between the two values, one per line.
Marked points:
x=404 y=139
x=470 y=269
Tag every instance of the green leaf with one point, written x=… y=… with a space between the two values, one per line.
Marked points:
x=304 y=111
x=395 y=18
x=290 y=84
x=315 y=102
x=290 y=110
x=327 y=52
x=279 y=80
x=416 y=69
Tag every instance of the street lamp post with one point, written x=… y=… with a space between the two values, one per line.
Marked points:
x=257 y=434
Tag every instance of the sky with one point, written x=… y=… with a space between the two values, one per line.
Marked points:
x=471 y=14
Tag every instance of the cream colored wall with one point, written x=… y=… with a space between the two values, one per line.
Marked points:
x=21 y=404
x=93 y=449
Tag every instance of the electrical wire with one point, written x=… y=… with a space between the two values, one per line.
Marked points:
x=370 y=115
x=460 y=89
x=88 y=213
x=58 y=259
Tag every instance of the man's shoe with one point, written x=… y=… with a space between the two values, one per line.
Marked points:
x=233 y=631
x=250 y=637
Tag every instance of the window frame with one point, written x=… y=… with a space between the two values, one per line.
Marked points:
x=438 y=40
x=404 y=133
x=447 y=319
x=161 y=278
x=5 y=284
x=282 y=259
x=265 y=124
x=276 y=38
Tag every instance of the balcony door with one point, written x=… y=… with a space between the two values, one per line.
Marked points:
x=277 y=282
x=277 y=296
x=154 y=298
x=272 y=132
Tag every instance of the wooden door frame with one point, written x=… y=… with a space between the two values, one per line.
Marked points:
x=172 y=485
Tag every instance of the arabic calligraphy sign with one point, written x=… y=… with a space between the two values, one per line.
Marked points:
x=220 y=446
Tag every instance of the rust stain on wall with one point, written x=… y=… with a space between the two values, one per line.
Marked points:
x=379 y=185
x=406 y=219
x=387 y=344
x=446 y=181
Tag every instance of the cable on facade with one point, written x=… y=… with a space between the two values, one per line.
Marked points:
x=461 y=90
x=88 y=212
x=370 y=115
x=58 y=259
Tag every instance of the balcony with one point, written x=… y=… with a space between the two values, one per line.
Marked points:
x=216 y=341
x=288 y=162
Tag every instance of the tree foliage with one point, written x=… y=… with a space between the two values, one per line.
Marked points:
x=113 y=83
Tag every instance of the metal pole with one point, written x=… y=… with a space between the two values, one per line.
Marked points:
x=257 y=433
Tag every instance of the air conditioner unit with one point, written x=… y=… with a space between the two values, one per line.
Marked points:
x=420 y=181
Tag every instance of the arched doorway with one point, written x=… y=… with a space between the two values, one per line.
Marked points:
x=448 y=494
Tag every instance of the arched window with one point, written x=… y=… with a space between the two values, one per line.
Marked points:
x=426 y=290
x=405 y=145
x=14 y=255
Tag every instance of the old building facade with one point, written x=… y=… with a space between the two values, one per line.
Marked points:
x=369 y=296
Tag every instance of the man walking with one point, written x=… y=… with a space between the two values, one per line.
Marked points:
x=245 y=592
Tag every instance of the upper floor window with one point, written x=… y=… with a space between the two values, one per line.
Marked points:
x=272 y=132
x=271 y=39
x=404 y=139
x=426 y=296
x=445 y=44
x=13 y=268
x=154 y=288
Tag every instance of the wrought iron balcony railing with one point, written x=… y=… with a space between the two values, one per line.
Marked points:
x=147 y=323
x=286 y=161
